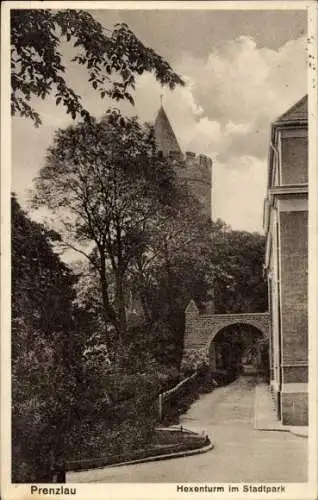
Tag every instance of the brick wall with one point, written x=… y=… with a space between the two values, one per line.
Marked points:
x=200 y=328
x=294 y=160
x=293 y=237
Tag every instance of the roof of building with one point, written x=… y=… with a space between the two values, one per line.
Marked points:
x=298 y=112
x=164 y=134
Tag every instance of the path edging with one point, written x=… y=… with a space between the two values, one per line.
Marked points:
x=175 y=454
x=154 y=458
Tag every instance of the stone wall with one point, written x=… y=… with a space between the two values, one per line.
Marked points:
x=196 y=171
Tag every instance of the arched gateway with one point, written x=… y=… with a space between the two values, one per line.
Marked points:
x=201 y=329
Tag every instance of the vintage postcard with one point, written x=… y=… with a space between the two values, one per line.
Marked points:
x=159 y=250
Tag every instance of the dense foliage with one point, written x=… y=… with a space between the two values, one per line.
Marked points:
x=240 y=285
x=194 y=361
x=68 y=399
x=44 y=347
x=175 y=271
x=112 y=59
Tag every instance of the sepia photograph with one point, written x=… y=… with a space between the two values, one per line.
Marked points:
x=158 y=315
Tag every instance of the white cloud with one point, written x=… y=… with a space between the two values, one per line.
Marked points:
x=232 y=128
x=224 y=111
x=239 y=81
x=238 y=192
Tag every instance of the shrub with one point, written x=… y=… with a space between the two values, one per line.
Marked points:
x=194 y=361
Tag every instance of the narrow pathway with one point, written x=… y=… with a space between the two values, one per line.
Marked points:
x=241 y=453
x=230 y=405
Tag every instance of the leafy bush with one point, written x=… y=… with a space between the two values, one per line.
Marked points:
x=68 y=399
x=124 y=421
x=194 y=361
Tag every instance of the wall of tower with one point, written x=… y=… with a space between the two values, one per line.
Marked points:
x=196 y=170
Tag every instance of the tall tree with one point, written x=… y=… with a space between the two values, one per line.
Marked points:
x=239 y=282
x=41 y=284
x=107 y=186
x=112 y=58
x=191 y=258
x=46 y=350
x=172 y=269
x=68 y=400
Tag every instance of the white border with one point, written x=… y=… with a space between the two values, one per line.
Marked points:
x=313 y=248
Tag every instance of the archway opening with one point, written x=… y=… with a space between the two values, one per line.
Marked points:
x=238 y=350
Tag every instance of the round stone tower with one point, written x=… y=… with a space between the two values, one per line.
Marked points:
x=195 y=169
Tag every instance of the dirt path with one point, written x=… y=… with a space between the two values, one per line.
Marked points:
x=240 y=454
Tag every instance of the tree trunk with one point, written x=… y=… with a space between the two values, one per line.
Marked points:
x=108 y=311
x=146 y=308
x=120 y=305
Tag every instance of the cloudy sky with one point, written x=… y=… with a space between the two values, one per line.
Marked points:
x=242 y=68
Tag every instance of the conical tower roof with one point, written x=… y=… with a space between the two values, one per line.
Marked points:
x=164 y=135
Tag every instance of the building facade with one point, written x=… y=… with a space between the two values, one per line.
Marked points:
x=286 y=262
x=195 y=170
